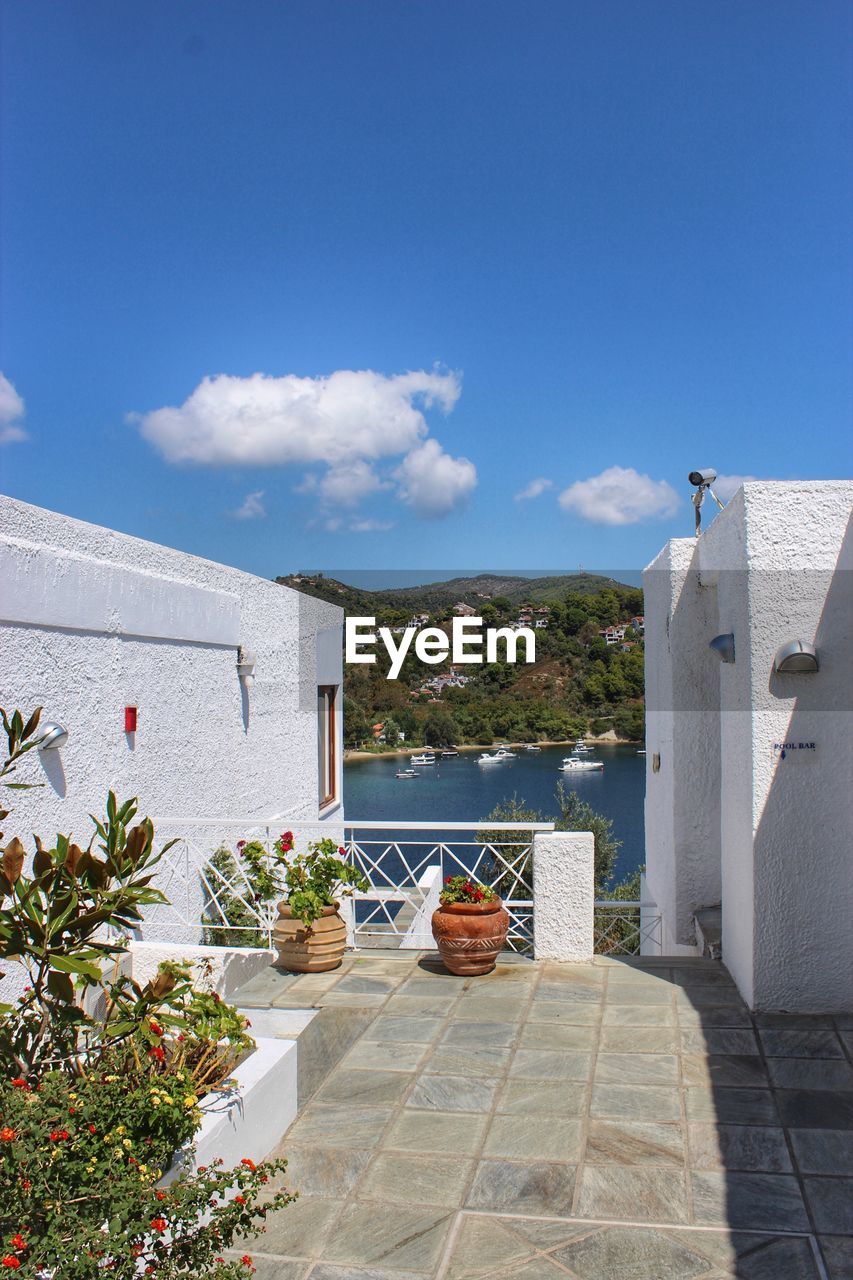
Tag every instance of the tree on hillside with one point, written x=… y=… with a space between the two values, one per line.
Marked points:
x=440 y=729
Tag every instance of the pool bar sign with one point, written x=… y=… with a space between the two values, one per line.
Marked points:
x=783 y=749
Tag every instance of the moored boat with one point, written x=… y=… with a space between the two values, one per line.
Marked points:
x=428 y=757
x=573 y=764
x=407 y=773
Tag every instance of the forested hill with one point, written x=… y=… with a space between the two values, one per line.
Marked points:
x=582 y=681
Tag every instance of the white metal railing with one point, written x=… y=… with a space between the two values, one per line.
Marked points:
x=406 y=873
x=627 y=928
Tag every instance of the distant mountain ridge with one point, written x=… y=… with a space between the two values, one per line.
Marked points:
x=433 y=596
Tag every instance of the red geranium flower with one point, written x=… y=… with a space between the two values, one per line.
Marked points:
x=246 y=1260
x=18 y=1241
x=7 y=1134
x=92 y=1129
x=158 y=1224
x=161 y=1195
x=156 y=1051
x=11 y=1262
x=20 y=1083
x=26 y=1185
x=239 y=1199
x=250 y=1164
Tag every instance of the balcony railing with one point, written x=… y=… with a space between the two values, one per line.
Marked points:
x=405 y=863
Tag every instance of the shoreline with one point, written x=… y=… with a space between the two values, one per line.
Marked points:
x=351 y=754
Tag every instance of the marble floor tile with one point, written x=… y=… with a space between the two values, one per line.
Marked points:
x=831 y=1203
x=748 y=1148
x=634 y=1015
x=497 y=1009
x=636 y=1068
x=486 y=1246
x=837 y=1256
x=417 y=1006
x=535 y=1097
x=331 y=1271
x=800 y=1042
x=815 y=1109
x=757 y=1201
x=300 y=1229
x=553 y=1011
x=752 y=1257
x=725 y=1040
x=459 y=1132
x=452 y=1093
x=644 y=1194
x=730 y=1070
x=634 y=1142
x=731 y=1106
x=547 y=1064
x=639 y=1040
x=536 y=1187
x=460 y=1060
x=823 y=1151
x=407 y=1239
x=480 y=1035
x=271 y=1268
x=330 y=1172
x=557 y=1035
x=392 y=1056
x=635 y=1102
x=634 y=993
x=365 y=1088
x=387 y=1029
x=811 y=1073
x=336 y=1126
x=534 y=1137
x=631 y=1253
x=405 y=1178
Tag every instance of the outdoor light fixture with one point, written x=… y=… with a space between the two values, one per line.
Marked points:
x=796 y=658
x=724 y=647
x=246 y=659
x=53 y=735
x=702 y=481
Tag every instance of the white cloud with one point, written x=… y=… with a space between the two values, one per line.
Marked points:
x=346 y=485
x=620 y=495
x=431 y=482
x=533 y=490
x=252 y=507
x=11 y=409
x=266 y=421
x=370 y=526
x=348 y=423
x=725 y=487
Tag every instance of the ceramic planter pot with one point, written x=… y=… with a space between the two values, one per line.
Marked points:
x=309 y=951
x=469 y=935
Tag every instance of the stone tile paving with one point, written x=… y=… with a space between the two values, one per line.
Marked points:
x=609 y=1121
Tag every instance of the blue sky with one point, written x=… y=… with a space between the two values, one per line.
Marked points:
x=554 y=243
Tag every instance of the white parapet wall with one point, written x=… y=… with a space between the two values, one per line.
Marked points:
x=563 y=895
x=221 y=969
x=748 y=770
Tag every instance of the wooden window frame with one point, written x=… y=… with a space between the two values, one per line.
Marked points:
x=329 y=692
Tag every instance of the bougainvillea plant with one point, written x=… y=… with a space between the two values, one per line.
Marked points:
x=464 y=889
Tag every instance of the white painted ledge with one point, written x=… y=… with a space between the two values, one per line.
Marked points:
x=231 y=966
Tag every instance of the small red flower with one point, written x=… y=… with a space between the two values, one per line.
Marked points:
x=161 y=1195
x=71 y=1110
x=20 y=1083
x=250 y=1164
x=137 y=1249
x=342 y=851
x=7 y=1134
x=239 y=1199
x=18 y=1241
x=158 y=1224
x=26 y=1185
x=156 y=1051
x=155 y=1027
x=55 y=1136
x=202 y=1168
x=241 y=844
x=11 y=1262
x=246 y=1260
x=92 y=1129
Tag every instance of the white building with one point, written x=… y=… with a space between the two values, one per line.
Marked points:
x=748 y=768
x=94 y=622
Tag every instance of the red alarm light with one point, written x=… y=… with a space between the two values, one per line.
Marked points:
x=130 y=719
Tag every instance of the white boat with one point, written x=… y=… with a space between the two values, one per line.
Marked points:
x=426 y=758
x=407 y=773
x=531 y=746
x=581 y=748
x=488 y=758
x=503 y=753
x=572 y=764
x=448 y=753
x=640 y=751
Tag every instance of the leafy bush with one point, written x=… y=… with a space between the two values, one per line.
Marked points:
x=316 y=879
x=462 y=889
x=79 y=1162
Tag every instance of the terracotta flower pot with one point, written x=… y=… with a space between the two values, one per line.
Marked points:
x=313 y=950
x=469 y=935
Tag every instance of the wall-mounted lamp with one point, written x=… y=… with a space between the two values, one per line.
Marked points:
x=246 y=660
x=52 y=736
x=796 y=658
x=724 y=647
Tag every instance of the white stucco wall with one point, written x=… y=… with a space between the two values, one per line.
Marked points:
x=92 y=620
x=774 y=566
x=564 y=895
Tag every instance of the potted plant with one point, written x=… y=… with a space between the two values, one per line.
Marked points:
x=469 y=927
x=310 y=935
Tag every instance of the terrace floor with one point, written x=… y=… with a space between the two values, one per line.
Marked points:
x=619 y=1120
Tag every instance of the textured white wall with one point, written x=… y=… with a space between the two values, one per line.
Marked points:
x=92 y=620
x=563 y=895
x=774 y=566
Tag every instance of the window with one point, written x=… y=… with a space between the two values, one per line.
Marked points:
x=327 y=743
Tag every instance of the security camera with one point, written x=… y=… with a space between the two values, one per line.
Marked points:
x=700 y=478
